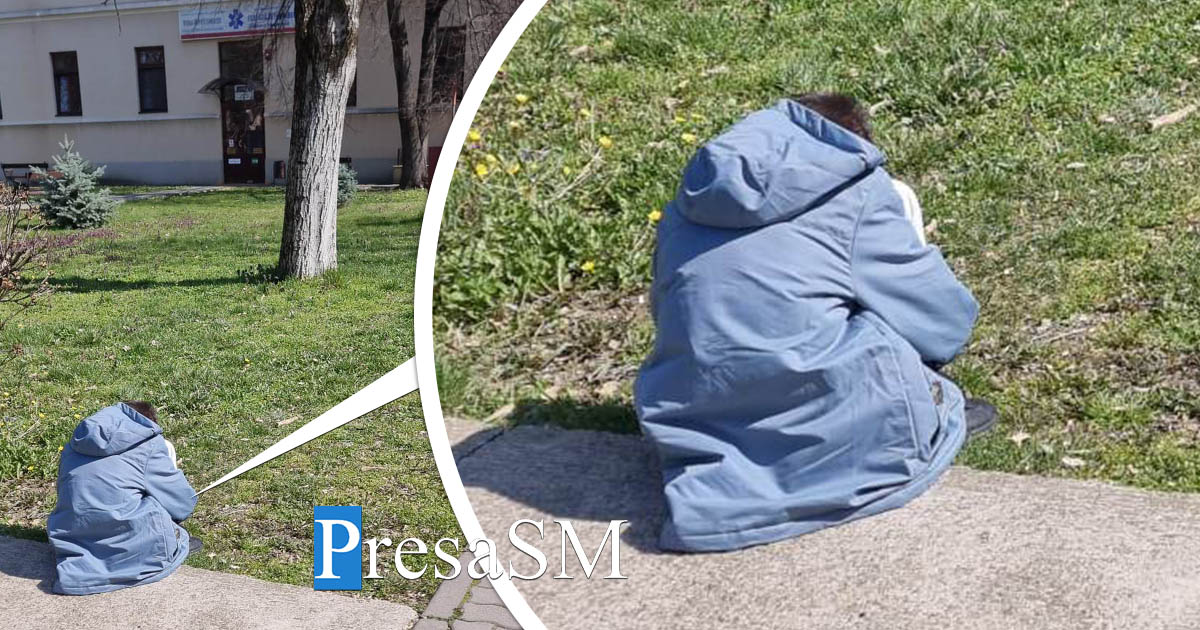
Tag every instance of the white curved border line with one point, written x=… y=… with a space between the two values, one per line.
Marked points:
x=423 y=299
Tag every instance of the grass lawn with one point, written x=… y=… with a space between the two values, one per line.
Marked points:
x=164 y=305
x=1021 y=125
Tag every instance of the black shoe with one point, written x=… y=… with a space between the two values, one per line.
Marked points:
x=981 y=416
x=195 y=546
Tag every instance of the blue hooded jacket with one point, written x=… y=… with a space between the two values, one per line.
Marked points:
x=120 y=499
x=796 y=310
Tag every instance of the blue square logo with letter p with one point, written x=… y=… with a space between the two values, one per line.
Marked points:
x=337 y=548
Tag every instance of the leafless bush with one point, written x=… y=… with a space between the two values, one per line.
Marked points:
x=24 y=267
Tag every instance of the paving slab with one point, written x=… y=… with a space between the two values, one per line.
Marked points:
x=496 y=615
x=980 y=551
x=450 y=594
x=190 y=598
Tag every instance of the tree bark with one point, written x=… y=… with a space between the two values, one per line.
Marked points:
x=326 y=58
x=412 y=153
x=414 y=104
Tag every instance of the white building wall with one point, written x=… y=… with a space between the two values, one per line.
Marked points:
x=182 y=146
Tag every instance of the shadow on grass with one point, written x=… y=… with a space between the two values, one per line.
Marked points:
x=386 y=220
x=75 y=284
x=611 y=416
x=21 y=531
x=609 y=474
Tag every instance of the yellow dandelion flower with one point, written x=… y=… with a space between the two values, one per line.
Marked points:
x=698 y=117
x=491 y=159
x=606 y=142
x=585 y=112
x=78 y=417
x=689 y=138
x=29 y=468
x=481 y=169
x=522 y=99
x=566 y=170
x=41 y=415
x=679 y=119
x=588 y=266
x=513 y=168
x=474 y=136
x=654 y=216
x=60 y=449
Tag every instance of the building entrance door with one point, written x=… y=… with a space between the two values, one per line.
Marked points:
x=243 y=129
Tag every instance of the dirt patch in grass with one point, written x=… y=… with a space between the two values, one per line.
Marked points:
x=27 y=502
x=585 y=349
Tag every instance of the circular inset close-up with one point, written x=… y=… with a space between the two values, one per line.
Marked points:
x=780 y=314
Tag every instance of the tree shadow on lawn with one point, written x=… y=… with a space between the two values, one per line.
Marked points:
x=603 y=474
x=387 y=220
x=76 y=284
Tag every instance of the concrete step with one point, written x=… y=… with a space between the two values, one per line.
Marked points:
x=981 y=551
x=189 y=599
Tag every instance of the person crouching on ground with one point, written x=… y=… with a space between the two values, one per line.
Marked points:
x=121 y=498
x=799 y=316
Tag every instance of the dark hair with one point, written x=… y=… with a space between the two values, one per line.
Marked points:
x=841 y=109
x=144 y=408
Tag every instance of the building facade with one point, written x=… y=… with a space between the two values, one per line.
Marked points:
x=198 y=91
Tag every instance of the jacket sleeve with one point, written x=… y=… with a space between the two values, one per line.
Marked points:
x=908 y=284
x=167 y=484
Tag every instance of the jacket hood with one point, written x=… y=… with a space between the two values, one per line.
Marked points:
x=112 y=430
x=772 y=166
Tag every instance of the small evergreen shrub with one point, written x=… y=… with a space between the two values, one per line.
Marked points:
x=347 y=185
x=72 y=197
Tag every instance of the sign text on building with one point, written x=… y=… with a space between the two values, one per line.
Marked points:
x=234 y=19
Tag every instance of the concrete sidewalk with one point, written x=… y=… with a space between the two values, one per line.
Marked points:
x=979 y=551
x=190 y=599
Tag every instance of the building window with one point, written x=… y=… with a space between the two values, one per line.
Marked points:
x=66 y=83
x=449 y=70
x=152 y=79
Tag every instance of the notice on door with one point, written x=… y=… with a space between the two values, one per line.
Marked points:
x=235 y=161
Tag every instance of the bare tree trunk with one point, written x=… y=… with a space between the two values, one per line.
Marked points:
x=326 y=47
x=414 y=105
x=412 y=150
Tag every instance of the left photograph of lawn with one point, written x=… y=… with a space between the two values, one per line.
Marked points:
x=209 y=216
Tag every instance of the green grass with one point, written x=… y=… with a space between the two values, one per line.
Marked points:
x=167 y=308
x=1021 y=125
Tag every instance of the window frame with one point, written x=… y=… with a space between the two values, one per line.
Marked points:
x=140 y=67
x=57 y=74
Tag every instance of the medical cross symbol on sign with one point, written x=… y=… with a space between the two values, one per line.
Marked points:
x=235 y=19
